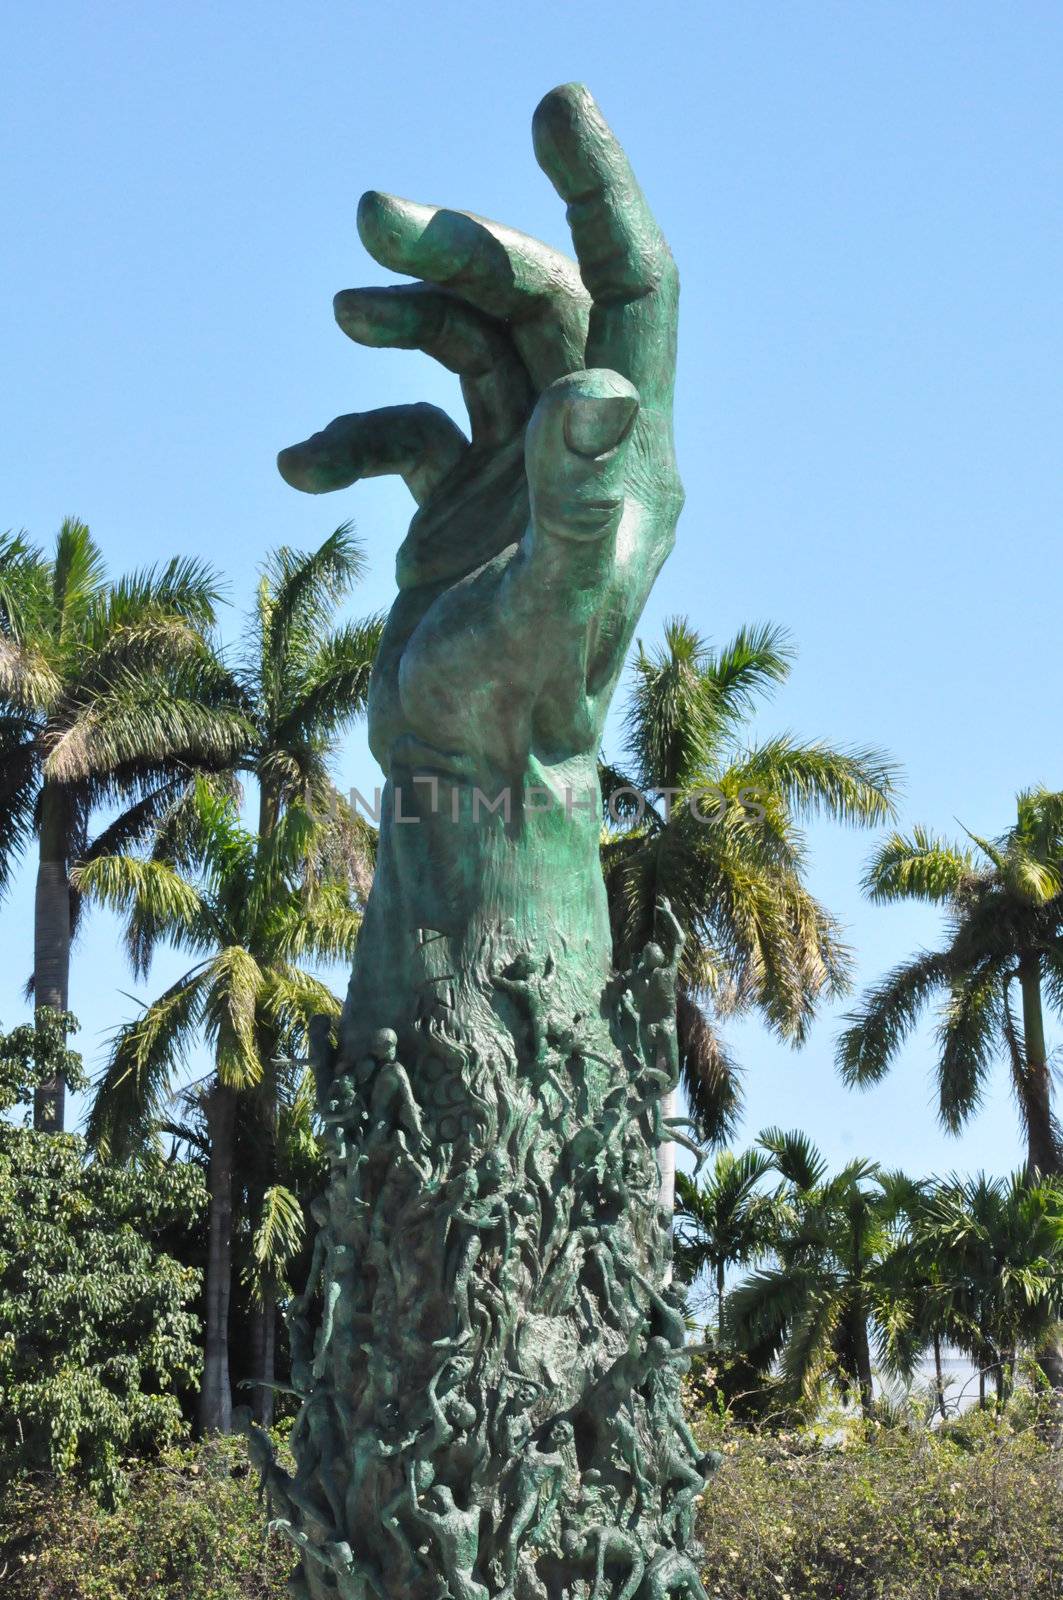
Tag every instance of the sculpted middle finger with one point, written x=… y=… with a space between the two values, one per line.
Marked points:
x=508 y=274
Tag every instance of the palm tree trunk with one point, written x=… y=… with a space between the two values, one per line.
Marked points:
x=264 y=1354
x=863 y=1360
x=51 y=943
x=939 y=1379
x=264 y=1105
x=719 y=1303
x=215 y=1400
x=1042 y=1151
x=268 y=809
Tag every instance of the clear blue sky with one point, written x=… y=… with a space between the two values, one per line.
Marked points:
x=863 y=199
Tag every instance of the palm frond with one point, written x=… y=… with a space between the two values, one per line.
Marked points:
x=78 y=575
x=710 y=1076
x=808 y=1357
x=138 y=823
x=157 y=900
x=922 y=867
x=183 y=588
x=146 y=720
x=298 y=596
x=292 y=998
x=669 y=720
x=144 y=1056
x=887 y=1015
x=279 y=1229
x=1036 y=880
x=968 y=1036
x=343 y=848
x=856 y=786
x=794 y=1157
x=323 y=926
x=335 y=685
x=28 y=679
x=747 y=668
x=24 y=588
x=19 y=787
x=236 y=986
x=761 y=1310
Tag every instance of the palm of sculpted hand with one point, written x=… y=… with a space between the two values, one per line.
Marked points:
x=536 y=543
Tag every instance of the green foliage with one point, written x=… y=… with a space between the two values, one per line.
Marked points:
x=36 y=1052
x=190 y=1528
x=243 y=907
x=866 y=1269
x=1004 y=911
x=997 y=1245
x=108 y=688
x=305 y=679
x=722 y=842
x=726 y=1220
x=96 y=1336
x=969 y=1512
x=814 y=1306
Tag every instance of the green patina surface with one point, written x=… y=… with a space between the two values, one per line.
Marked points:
x=487 y=1352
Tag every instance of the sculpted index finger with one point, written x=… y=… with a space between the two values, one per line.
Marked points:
x=623 y=258
x=506 y=274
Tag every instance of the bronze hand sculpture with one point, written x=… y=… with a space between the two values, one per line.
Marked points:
x=495 y=1379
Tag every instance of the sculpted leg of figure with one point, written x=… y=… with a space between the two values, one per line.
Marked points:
x=499 y=1370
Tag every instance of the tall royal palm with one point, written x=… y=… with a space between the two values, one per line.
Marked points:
x=304 y=678
x=718 y=835
x=1004 y=907
x=247 y=909
x=110 y=694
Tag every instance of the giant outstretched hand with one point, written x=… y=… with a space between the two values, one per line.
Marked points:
x=536 y=542
x=492 y=1407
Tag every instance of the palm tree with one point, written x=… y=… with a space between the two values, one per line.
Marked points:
x=1004 y=905
x=998 y=1245
x=283 y=1166
x=917 y=1306
x=109 y=695
x=304 y=681
x=819 y=1305
x=279 y=1166
x=724 y=1221
x=247 y=910
x=711 y=822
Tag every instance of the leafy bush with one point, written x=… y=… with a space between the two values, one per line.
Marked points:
x=96 y=1335
x=867 y=1512
x=858 y=1512
x=190 y=1528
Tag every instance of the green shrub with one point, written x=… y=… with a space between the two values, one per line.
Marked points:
x=96 y=1331
x=854 y=1513
x=886 y=1513
x=190 y=1528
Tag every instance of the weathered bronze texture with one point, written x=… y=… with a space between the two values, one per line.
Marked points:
x=487 y=1354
